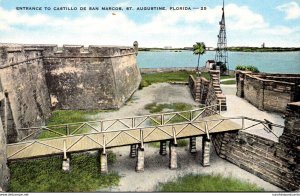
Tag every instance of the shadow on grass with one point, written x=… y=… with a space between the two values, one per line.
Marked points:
x=207 y=183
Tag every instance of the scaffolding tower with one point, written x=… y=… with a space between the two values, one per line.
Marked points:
x=221 y=51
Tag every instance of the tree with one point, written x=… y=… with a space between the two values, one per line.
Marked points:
x=199 y=48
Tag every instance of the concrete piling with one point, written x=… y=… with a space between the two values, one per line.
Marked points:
x=193 y=149
x=66 y=164
x=163 y=148
x=140 y=160
x=133 y=150
x=103 y=162
x=172 y=155
x=205 y=151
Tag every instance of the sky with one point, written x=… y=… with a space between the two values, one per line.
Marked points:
x=248 y=23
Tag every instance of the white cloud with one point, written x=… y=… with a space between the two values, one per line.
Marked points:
x=292 y=10
x=176 y=28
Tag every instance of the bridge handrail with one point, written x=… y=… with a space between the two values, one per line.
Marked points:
x=113 y=119
x=172 y=125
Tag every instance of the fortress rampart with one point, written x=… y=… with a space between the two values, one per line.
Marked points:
x=36 y=79
x=271 y=92
x=275 y=162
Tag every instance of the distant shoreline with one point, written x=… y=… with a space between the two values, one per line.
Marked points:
x=230 y=49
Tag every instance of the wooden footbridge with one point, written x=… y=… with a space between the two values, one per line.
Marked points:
x=103 y=134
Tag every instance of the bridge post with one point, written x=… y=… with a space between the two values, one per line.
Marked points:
x=172 y=155
x=193 y=145
x=133 y=150
x=163 y=148
x=66 y=158
x=140 y=159
x=205 y=151
x=103 y=162
x=66 y=163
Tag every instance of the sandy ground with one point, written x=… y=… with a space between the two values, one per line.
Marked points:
x=156 y=166
x=240 y=107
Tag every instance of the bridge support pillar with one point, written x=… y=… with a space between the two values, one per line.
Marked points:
x=103 y=162
x=66 y=164
x=163 y=148
x=133 y=150
x=205 y=151
x=172 y=155
x=140 y=160
x=193 y=145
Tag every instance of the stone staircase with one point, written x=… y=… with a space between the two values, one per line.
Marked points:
x=215 y=83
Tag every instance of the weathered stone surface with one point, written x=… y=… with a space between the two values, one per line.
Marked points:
x=172 y=156
x=275 y=162
x=102 y=77
x=66 y=164
x=140 y=160
x=205 y=151
x=4 y=171
x=103 y=163
x=27 y=97
x=271 y=92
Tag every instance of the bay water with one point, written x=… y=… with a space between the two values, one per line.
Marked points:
x=272 y=62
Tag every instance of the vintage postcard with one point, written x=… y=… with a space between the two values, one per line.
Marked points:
x=150 y=96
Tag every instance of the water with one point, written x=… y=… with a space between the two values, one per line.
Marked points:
x=272 y=62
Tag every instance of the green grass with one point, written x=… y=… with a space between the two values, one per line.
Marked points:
x=174 y=107
x=207 y=183
x=46 y=175
x=156 y=108
x=227 y=77
x=228 y=82
x=176 y=76
x=68 y=116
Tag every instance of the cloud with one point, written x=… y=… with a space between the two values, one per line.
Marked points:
x=176 y=28
x=292 y=10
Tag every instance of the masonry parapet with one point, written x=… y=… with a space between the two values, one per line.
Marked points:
x=271 y=92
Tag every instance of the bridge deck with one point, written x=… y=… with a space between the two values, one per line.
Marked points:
x=108 y=139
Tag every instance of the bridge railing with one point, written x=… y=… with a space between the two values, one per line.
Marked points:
x=107 y=125
x=133 y=135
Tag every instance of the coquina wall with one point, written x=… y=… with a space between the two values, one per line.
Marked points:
x=275 y=162
x=271 y=92
x=26 y=101
x=97 y=77
x=35 y=79
x=208 y=92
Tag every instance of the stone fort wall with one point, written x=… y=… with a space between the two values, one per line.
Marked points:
x=96 y=77
x=39 y=78
x=35 y=79
x=275 y=162
x=271 y=92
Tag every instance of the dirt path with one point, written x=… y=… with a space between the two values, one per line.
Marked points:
x=156 y=166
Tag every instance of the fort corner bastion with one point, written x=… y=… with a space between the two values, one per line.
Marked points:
x=36 y=79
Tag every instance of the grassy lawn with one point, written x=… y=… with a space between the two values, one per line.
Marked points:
x=67 y=116
x=228 y=82
x=177 y=76
x=175 y=107
x=227 y=77
x=46 y=175
x=207 y=183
